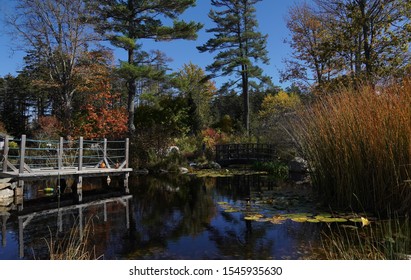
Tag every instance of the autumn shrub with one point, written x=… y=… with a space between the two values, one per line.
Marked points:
x=48 y=127
x=358 y=144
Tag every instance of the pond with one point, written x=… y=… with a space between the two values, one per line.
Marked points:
x=182 y=217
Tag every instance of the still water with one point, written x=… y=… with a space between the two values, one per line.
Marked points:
x=182 y=217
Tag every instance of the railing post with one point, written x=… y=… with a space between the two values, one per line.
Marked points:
x=105 y=150
x=22 y=152
x=5 y=153
x=127 y=151
x=80 y=154
x=60 y=155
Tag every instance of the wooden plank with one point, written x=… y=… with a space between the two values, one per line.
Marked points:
x=127 y=151
x=26 y=167
x=80 y=156
x=22 y=152
x=60 y=154
x=5 y=153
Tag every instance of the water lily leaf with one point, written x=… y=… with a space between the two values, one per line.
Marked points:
x=297 y=215
x=299 y=220
x=222 y=203
x=325 y=215
x=319 y=217
x=333 y=220
x=277 y=220
x=253 y=217
x=313 y=220
x=231 y=210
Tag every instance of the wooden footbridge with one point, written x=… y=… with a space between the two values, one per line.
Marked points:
x=228 y=154
x=27 y=158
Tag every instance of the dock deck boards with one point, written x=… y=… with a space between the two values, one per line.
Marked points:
x=85 y=171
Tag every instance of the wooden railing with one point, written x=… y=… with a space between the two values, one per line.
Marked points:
x=244 y=153
x=28 y=156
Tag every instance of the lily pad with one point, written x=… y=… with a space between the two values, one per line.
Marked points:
x=333 y=220
x=300 y=220
x=313 y=220
x=222 y=203
x=253 y=217
x=231 y=210
x=277 y=220
x=325 y=215
x=297 y=215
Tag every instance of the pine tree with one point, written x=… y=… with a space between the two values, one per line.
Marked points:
x=239 y=46
x=126 y=22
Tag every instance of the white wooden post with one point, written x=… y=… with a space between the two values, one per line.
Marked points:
x=60 y=154
x=5 y=153
x=22 y=151
x=80 y=154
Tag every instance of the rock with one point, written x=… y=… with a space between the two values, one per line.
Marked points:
x=4 y=185
x=141 y=171
x=298 y=165
x=214 y=165
x=183 y=170
x=5 y=180
x=6 y=193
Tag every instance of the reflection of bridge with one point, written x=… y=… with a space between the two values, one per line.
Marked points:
x=59 y=213
x=227 y=154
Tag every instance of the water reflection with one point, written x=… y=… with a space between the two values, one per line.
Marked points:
x=175 y=218
x=182 y=219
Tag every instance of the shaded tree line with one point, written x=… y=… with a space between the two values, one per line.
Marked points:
x=71 y=85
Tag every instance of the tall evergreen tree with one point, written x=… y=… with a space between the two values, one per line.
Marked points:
x=239 y=46
x=126 y=22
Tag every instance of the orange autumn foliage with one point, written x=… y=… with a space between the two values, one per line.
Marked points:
x=102 y=114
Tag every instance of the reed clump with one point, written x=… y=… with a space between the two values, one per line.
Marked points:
x=388 y=240
x=358 y=144
x=75 y=245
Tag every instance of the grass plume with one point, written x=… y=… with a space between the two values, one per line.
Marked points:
x=358 y=144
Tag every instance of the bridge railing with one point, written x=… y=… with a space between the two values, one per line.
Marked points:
x=25 y=155
x=245 y=152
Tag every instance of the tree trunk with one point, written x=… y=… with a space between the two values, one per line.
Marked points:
x=131 y=87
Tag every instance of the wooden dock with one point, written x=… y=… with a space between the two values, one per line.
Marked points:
x=28 y=158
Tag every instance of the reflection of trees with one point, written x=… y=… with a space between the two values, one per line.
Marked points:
x=255 y=240
x=242 y=240
x=167 y=208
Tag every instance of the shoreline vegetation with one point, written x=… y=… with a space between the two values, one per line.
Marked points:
x=358 y=146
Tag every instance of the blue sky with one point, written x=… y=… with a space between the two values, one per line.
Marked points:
x=271 y=16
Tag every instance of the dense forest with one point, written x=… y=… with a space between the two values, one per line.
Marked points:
x=71 y=86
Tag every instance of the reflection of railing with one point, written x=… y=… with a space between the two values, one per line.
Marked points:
x=24 y=156
x=24 y=220
x=244 y=153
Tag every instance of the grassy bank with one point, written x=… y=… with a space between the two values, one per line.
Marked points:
x=358 y=144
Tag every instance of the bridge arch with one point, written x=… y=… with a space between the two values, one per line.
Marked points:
x=227 y=154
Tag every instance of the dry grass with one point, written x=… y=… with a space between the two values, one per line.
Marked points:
x=73 y=246
x=358 y=144
x=388 y=240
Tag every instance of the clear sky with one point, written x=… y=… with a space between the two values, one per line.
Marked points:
x=271 y=16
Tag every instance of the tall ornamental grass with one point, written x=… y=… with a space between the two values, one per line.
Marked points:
x=358 y=144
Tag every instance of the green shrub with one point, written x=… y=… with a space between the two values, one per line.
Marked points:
x=276 y=168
